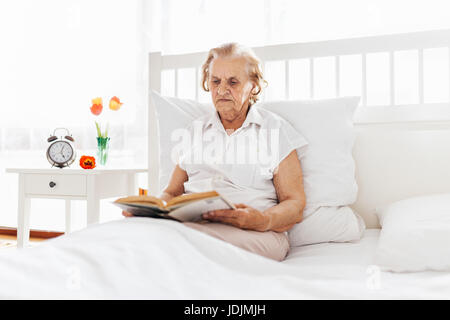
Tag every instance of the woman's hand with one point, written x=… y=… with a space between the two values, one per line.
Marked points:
x=243 y=217
x=127 y=214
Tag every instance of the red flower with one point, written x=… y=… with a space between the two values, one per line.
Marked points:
x=87 y=162
x=97 y=106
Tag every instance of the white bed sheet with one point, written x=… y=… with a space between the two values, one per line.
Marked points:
x=358 y=253
x=141 y=258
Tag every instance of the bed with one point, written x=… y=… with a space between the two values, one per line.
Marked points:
x=158 y=259
x=141 y=258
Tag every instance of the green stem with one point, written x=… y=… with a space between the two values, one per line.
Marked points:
x=99 y=133
x=106 y=131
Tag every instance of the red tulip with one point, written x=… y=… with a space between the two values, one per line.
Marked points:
x=97 y=106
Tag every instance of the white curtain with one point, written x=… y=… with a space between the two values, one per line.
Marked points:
x=179 y=26
x=56 y=55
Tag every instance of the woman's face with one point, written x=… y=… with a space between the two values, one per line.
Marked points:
x=230 y=86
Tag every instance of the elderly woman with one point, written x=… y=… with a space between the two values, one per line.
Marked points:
x=269 y=198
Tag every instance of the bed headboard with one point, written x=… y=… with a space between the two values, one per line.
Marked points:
x=400 y=151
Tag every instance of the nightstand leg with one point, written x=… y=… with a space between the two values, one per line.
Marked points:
x=23 y=215
x=23 y=223
x=132 y=187
x=68 y=216
x=93 y=211
x=93 y=202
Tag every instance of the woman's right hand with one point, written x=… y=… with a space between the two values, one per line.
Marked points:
x=127 y=214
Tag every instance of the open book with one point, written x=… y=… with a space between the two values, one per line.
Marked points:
x=187 y=207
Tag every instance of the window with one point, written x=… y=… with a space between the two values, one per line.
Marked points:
x=56 y=56
x=404 y=78
x=177 y=26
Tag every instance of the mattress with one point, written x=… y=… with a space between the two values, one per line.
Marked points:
x=359 y=253
x=141 y=258
x=354 y=263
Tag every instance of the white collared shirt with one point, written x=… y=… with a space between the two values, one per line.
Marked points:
x=240 y=165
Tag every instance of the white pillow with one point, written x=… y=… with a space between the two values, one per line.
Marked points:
x=328 y=224
x=415 y=234
x=328 y=166
x=173 y=113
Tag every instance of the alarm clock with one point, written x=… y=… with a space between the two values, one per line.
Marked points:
x=61 y=151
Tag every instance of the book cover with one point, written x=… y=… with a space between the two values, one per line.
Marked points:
x=187 y=207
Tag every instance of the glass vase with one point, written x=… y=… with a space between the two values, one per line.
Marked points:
x=102 y=150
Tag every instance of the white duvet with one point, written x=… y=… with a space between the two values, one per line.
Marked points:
x=141 y=258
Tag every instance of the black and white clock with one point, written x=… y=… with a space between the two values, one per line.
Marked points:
x=61 y=151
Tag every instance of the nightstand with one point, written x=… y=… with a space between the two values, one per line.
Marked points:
x=70 y=184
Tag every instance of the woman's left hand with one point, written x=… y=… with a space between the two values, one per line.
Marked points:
x=243 y=217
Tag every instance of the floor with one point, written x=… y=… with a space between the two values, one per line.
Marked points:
x=10 y=242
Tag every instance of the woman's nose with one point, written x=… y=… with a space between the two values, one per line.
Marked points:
x=221 y=89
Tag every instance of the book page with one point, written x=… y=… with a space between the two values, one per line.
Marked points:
x=190 y=197
x=193 y=211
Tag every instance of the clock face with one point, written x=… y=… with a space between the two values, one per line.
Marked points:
x=60 y=152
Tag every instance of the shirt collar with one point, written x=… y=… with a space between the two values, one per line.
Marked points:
x=253 y=116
